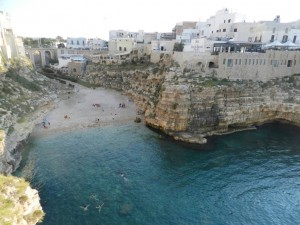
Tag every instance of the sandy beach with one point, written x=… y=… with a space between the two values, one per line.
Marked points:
x=87 y=108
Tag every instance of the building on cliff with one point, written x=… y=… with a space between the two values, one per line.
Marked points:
x=10 y=45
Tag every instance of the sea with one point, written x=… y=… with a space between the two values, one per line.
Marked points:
x=129 y=174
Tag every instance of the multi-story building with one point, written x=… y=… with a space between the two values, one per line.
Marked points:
x=10 y=46
x=121 y=45
x=219 y=25
x=137 y=36
x=77 y=43
x=97 y=44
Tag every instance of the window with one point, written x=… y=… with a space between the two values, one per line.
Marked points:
x=245 y=61
x=235 y=30
x=74 y=70
x=289 y=64
x=275 y=63
x=286 y=30
x=260 y=61
x=229 y=63
x=256 y=61
x=224 y=21
x=229 y=20
x=294 y=39
x=77 y=42
x=120 y=49
x=240 y=61
x=253 y=61
x=72 y=42
x=284 y=38
x=236 y=61
x=224 y=61
x=125 y=49
x=224 y=30
x=272 y=38
x=249 y=61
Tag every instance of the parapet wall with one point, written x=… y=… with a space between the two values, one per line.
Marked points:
x=186 y=59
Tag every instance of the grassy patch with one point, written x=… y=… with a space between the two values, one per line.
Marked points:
x=21 y=119
x=214 y=82
x=22 y=81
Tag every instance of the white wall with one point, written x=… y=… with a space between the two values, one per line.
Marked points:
x=77 y=43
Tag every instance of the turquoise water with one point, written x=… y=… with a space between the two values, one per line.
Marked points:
x=252 y=177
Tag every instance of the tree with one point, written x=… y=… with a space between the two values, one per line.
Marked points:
x=178 y=47
x=61 y=45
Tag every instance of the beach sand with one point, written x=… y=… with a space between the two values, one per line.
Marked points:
x=79 y=110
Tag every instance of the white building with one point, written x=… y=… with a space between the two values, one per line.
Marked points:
x=163 y=45
x=187 y=35
x=137 y=36
x=219 y=25
x=77 y=43
x=96 y=44
x=10 y=46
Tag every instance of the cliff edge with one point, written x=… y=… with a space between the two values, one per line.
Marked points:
x=19 y=203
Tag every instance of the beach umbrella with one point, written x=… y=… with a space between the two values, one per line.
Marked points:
x=274 y=44
x=289 y=44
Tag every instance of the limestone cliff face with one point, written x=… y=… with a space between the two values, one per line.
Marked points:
x=142 y=83
x=190 y=107
x=19 y=204
x=194 y=108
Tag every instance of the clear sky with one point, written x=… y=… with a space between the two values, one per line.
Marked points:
x=94 y=18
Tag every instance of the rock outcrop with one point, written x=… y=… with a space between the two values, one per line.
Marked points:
x=19 y=203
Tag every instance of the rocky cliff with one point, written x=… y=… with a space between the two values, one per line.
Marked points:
x=190 y=106
x=25 y=98
x=19 y=204
x=196 y=107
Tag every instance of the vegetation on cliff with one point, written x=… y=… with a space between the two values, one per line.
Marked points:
x=19 y=204
x=22 y=91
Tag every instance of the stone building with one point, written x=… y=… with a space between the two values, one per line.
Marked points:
x=258 y=66
x=76 y=68
x=121 y=45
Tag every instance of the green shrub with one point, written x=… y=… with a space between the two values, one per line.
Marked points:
x=23 y=81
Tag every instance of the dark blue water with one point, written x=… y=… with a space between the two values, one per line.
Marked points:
x=252 y=177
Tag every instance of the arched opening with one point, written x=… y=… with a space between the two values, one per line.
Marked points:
x=37 y=59
x=212 y=65
x=47 y=57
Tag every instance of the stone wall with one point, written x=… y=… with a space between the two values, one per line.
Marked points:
x=258 y=66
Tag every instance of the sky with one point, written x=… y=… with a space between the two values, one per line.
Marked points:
x=94 y=18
